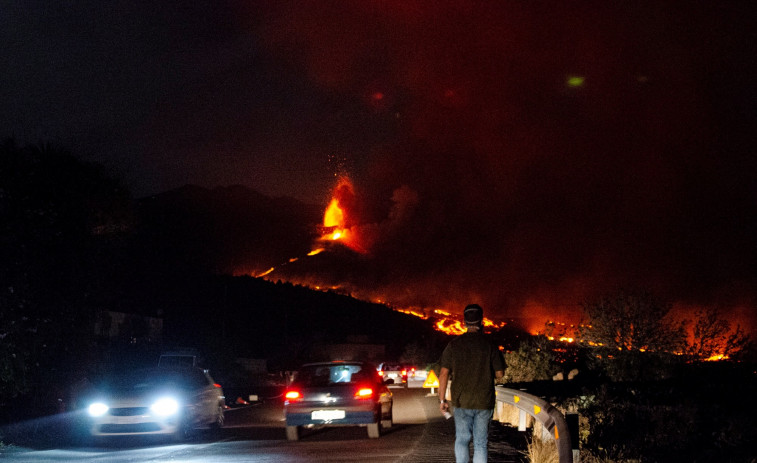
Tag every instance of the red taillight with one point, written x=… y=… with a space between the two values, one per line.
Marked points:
x=381 y=373
x=293 y=395
x=364 y=393
x=217 y=385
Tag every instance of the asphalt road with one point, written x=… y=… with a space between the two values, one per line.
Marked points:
x=256 y=433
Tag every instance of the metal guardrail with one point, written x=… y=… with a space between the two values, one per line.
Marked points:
x=551 y=419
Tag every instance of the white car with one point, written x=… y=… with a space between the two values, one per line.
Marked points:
x=405 y=375
x=171 y=402
x=394 y=373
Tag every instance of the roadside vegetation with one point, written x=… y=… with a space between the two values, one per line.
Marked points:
x=649 y=388
x=541 y=450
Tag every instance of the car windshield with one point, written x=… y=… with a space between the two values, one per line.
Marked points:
x=147 y=380
x=325 y=375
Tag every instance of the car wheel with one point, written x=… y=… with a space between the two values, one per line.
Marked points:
x=374 y=430
x=220 y=419
x=183 y=433
x=293 y=433
x=386 y=423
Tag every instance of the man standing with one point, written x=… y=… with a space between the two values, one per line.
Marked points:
x=472 y=363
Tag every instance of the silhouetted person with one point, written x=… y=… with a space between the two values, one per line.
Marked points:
x=472 y=363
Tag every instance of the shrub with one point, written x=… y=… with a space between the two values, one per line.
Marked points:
x=531 y=362
x=697 y=417
x=541 y=451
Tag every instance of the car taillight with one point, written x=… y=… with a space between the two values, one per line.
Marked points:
x=217 y=385
x=364 y=393
x=381 y=373
x=293 y=396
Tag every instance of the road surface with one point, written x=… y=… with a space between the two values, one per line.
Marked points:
x=256 y=433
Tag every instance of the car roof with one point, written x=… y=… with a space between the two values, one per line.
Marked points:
x=337 y=362
x=153 y=370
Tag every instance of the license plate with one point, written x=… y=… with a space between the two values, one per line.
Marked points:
x=327 y=415
x=126 y=419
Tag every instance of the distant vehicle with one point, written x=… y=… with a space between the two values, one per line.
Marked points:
x=405 y=375
x=416 y=376
x=163 y=401
x=337 y=394
x=401 y=374
x=393 y=373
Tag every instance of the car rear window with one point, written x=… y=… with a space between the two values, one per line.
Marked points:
x=391 y=367
x=325 y=375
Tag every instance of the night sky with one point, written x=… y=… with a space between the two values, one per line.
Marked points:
x=525 y=155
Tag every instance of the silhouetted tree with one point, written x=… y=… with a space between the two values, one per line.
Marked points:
x=713 y=336
x=633 y=336
x=55 y=212
x=632 y=322
x=415 y=353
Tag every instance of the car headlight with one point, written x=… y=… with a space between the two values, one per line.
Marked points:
x=97 y=409
x=165 y=406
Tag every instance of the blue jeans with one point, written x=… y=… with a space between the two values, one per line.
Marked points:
x=474 y=424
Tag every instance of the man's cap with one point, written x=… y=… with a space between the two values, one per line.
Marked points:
x=473 y=314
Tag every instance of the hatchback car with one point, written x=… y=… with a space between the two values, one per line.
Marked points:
x=337 y=394
x=401 y=374
x=158 y=401
x=394 y=373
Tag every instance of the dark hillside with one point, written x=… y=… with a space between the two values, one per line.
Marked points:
x=245 y=316
x=224 y=230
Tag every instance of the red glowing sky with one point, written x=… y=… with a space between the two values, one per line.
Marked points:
x=520 y=154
